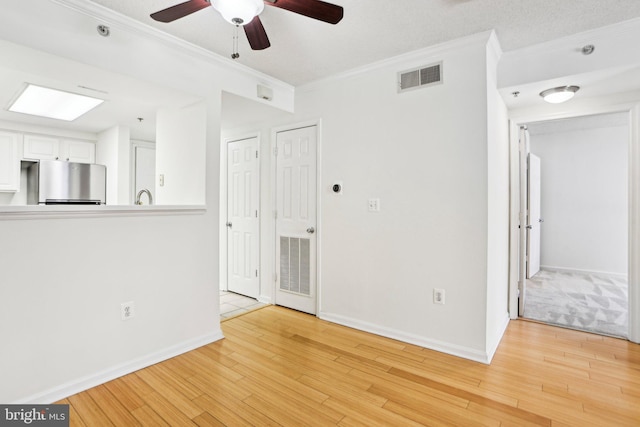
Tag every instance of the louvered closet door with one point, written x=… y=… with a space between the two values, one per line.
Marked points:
x=296 y=219
x=242 y=217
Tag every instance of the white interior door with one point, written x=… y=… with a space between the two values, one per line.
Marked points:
x=534 y=220
x=296 y=219
x=523 y=151
x=243 y=174
x=145 y=171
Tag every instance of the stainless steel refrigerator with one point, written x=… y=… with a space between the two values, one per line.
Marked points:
x=56 y=182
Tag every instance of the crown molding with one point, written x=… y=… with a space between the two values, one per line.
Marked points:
x=413 y=56
x=124 y=22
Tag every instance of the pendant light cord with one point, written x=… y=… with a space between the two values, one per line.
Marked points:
x=235 y=54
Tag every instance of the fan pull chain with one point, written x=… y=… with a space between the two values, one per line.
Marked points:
x=235 y=54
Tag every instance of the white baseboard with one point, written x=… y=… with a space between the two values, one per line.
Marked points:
x=498 y=337
x=81 y=384
x=441 y=346
x=264 y=299
x=577 y=270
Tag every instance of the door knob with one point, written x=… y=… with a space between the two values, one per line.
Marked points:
x=311 y=230
x=229 y=224
x=529 y=227
x=541 y=220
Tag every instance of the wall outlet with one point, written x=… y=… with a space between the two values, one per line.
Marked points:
x=374 y=205
x=161 y=180
x=438 y=296
x=127 y=310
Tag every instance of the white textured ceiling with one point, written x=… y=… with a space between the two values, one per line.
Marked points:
x=578 y=123
x=303 y=50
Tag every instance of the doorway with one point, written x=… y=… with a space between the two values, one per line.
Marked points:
x=296 y=219
x=143 y=155
x=243 y=223
x=583 y=224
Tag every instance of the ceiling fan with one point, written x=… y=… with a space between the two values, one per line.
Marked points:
x=245 y=13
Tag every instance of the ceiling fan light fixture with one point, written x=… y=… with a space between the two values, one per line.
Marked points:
x=559 y=94
x=238 y=12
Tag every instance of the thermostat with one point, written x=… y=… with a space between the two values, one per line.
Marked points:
x=337 y=188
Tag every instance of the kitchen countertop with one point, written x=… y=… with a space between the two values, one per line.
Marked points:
x=77 y=211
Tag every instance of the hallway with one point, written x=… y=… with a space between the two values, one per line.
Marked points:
x=587 y=302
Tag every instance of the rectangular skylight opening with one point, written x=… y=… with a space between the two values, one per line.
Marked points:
x=53 y=103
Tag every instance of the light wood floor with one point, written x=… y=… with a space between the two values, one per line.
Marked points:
x=281 y=367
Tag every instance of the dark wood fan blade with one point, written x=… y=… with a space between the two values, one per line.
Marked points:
x=256 y=34
x=180 y=10
x=315 y=9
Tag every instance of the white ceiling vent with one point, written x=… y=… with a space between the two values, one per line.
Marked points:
x=420 y=77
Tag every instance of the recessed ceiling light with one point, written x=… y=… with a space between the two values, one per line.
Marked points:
x=560 y=94
x=53 y=103
x=103 y=30
x=588 y=49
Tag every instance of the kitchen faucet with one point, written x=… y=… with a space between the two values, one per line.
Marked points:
x=144 y=190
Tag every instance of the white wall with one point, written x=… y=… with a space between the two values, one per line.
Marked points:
x=124 y=165
x=181 y=147
x=63 y=281
x=112 y=150
x=497 y=205
x=425 y=154
x=60 y=297
x=107 y=154
x=584 y=199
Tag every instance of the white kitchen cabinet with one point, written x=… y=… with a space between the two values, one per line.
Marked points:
x=78 y=151
x=9 y=162
x=38 y=147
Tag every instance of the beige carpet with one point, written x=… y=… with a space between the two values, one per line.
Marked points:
x=588 y=302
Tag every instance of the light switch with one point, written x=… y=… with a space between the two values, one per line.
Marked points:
x=374 y=205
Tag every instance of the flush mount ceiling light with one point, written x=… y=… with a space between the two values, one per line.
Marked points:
x=560 y=94
x=238 y=12
x=53 y=103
